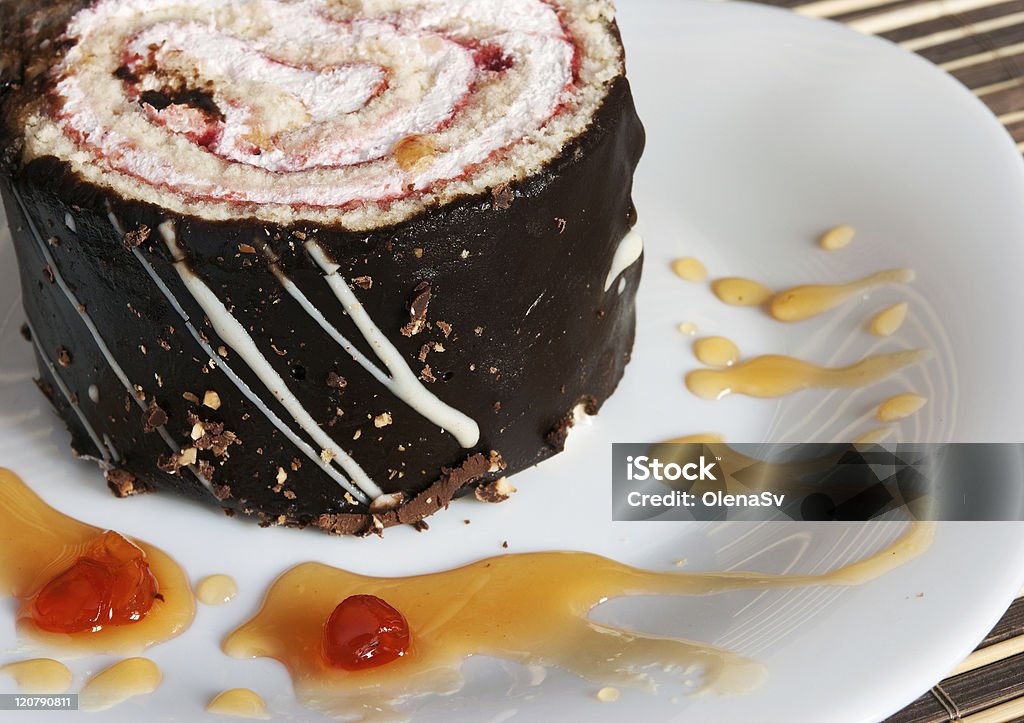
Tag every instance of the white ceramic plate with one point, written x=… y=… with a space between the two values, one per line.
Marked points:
x=764 y=129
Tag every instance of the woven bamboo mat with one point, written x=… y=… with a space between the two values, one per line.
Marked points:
x=981 y=44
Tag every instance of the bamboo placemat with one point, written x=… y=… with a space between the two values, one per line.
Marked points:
x=981 y=44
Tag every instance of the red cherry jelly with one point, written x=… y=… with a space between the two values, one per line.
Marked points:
x=364 y=632
x=110 y=584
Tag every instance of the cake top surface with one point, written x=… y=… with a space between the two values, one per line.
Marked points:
x=353 y=112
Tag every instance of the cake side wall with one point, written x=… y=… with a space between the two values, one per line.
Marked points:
x=518 y=330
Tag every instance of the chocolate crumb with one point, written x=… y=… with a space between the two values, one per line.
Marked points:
x=124 y=484
x=501 y=196
x=134 y=239
x=418 y=304
x=505 y=544
x=494 y=491
x=63 y=357
x=336 y=381
x=420 y=526
x=26 y=332
x=153 y=417
x=48 y=274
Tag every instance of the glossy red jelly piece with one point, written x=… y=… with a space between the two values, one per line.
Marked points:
x=364 y=632
x=109 y=584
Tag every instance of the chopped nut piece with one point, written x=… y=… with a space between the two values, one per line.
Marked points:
x=211 y=399
x=418 y=303
x=281 y=475
x=417 y=252
x=327 y=455
x=382 y=420
x=197 y=431
x=134 y=239
x=414 y=152
x=247 y=248
x=608 y=695
x=363 y=282
x=387 y=502
x=189 y=396
x=187 y=456
x=357 y=435
x=445 y=328
x=495 y=491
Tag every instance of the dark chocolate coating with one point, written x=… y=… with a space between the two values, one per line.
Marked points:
x=532 y=283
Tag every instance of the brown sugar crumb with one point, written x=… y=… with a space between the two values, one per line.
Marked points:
x=427 y=374
x=495 y=491
x=445 y=328
x=424 y=350
x=560 y=223
x=134 y=239
x=63 y=357
x=124 y=484
x=289 y=495
x=247 y=248
x=336 y=381
x=418 y=304
x=478 y=331
x=190 y=397
x=363 y=282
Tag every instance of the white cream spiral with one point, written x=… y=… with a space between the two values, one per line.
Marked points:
x=357 y=111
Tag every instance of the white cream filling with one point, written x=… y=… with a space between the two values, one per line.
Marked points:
x=314 y=95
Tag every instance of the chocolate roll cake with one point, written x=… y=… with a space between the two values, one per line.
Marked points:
x=327 y=262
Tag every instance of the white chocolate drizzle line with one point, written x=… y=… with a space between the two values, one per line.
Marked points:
x=108 y=453
x=233 y=334
x=87 y=321
x=629 y=250
x=221 y=364
x=402 y=382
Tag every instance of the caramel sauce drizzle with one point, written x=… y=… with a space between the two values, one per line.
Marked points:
x=774 y=375
x=121 y=681
x=690 y=269
x=216 y=589
x=37 y=543
x=716 y=351
x=529 y=608
x=888 y=321
x=736 y=291
x=39 y=675
x=875 y=436
x=899 y=407
x=239 y=703
x=804 y=302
